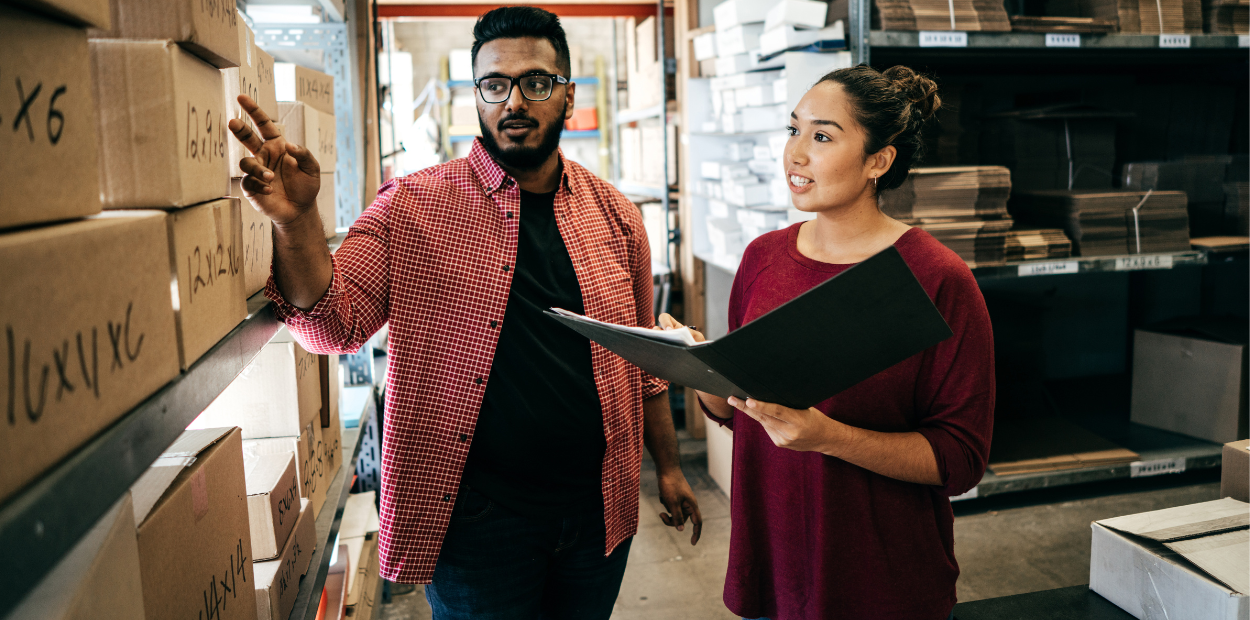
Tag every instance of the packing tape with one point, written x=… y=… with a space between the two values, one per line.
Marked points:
x=1137 y=220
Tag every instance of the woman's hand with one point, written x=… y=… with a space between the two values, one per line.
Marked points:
x=666 y=322
x=802 y=430
x=714 y=404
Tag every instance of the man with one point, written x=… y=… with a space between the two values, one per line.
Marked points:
x=511 y=458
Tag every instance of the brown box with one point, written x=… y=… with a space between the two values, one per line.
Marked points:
x=311 y=129
x=78 y=12
x=195 y=552
x=1235 y=471
x=277 y=395
x=206 y=252
x=371 y=592
x=208 y=28
x=49 y=125
x=162 y=127
x=331 y=425
x=296 y=83
x=88 y=333
x=272 y=501
x=307 y=460
x=98 y=579
x=362 y=570
x=254 y=78
x=277 y=581
x=326 y=204
x=257 y=242
x=1189 y=377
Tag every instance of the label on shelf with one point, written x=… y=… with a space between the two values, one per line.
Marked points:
x=1054 y=39
x=940 y=38
x=1142 y=469
x=971 y=494
x=1046 y=269
x=1146 y=261
x=1174 y=40
x=1243 y=40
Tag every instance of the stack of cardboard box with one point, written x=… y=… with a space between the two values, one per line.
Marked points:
x=963 y=207
x=965 y=15
x=306 y=112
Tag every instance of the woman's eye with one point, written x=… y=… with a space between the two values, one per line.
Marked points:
x=792 y=130
x=820 y=137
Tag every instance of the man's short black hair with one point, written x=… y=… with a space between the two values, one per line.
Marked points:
x=515 y=22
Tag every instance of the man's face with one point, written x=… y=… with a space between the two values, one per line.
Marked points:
x=519 y=133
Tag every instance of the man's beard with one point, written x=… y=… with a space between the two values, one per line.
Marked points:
x=518 y=157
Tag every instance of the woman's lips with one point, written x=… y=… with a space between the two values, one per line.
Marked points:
x=799 y=184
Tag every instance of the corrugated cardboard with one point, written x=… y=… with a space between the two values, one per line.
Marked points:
x=98 y=579
x=1183 y=563
x=206 y=253
x=364 y=553
x=1235 y=471
x=254 y=78
x=56 y=131
x=272 y=501
x=307 y=460
x=195 y=552
x=257 y=242
x=162 y=126
x=78 y=12
x=312 y=129
x=86 y=333
x=326 y=204
x=277 y=581
x=277 y=395
x=207 y=28
x=331 y=424
x=1189 y=378
x=296 y=83
x=372 y=590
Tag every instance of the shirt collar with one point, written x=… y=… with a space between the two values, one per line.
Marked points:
x=494 y=178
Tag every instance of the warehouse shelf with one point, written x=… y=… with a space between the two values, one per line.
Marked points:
x=332 y=9
x=1037 y=40
x=564 y=135
x=41 y=523
x=624 y=117
x=331 y=517
x=1089 y=264
x=588 y=80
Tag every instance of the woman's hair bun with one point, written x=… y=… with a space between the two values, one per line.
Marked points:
x=919 y=91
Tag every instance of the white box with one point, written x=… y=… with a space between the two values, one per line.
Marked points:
x=739 y=39
x=705 y=46
x=718 y=209
x=731 y=122
x=763 y=152
x=743 y=80
x=764 y=118
x=728 y=65
x=755 y=96
x=717 y=192
x=460 y=64
x=710 y=169
x=1175 y=563
x=788 y=37
x=733 y=12
x=734 y=170
x=761 y=218
x=744 y=194
x=800 y=13
x=780 y=92
x=729 y=102
x=779 y=191
x=777 y=144
x=740 y=151
x=765 y=167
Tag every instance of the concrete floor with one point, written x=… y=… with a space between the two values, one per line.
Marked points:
x=1005 y=545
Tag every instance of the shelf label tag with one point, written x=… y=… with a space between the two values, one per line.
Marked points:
x=1243 y=40
x=971 y=494
x=1054 y=39
x=942 y=38
x=1143 y=261
x=1046 y=269
x=1174 y=40
x=1142 y=469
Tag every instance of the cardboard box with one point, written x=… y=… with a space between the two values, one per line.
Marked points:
x=78 y=12
x=308 y=461
x=1235 y=471
x=1189 y=377
x=162 y=126
x=329 y=459
x=1183 y=563
x=209 y=29
x=98 y=579
x=277 y=395
x=254 y=78
x=277 y=581
x=257 y=242
x=50 y=125
x=195 y=552
x=206 y=252
x=87 y=316
x=312 y=129
x=371 y=593
x=296 y=83
x=331 y=425
x=361 y=579
x=326 y=204
x=272 y=501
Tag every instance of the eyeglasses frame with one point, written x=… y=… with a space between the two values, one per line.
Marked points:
x=513 y=83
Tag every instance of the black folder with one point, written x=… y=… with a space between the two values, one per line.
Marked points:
x=850 y=327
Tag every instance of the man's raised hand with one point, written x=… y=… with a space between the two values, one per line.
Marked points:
x=282 y=178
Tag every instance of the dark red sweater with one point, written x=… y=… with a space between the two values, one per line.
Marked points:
x=815 y=537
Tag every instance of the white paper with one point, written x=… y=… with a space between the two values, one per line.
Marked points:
x=674 y=336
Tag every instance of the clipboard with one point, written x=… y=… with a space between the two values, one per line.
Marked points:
x=847 y=329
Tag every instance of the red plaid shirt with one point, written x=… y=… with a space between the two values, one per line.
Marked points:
x=433 y=256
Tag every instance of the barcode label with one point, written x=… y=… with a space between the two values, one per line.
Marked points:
x=971 y=494
x=929 y=38
x=1142 y=469
x=1046 y=269
x=1174 y=40
x=1062 y=40
x=1149 y=261
x=1243 y=40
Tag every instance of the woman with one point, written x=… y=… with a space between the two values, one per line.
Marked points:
x=842 y=511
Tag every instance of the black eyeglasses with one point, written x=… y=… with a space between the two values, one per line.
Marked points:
x=535 y=86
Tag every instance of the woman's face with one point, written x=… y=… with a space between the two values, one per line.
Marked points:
x=824 y=157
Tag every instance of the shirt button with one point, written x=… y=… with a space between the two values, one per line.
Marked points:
x=447 y=497
x=506 y=267
x=494 y=323
x=478 y=381
x=509 y=215
x=464 y=437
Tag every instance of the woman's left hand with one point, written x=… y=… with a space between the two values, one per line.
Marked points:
x=802 y=430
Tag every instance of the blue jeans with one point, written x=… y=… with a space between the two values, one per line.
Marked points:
x=497 y=564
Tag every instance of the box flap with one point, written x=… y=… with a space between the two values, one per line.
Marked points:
x=1228 y=330
x=1223 y=556
x=358 y=514
x=263 y=471
x=151 y=486
x=193 y=442
x=1190 y=521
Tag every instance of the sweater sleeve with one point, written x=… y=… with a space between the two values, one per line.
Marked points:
x=955 y=390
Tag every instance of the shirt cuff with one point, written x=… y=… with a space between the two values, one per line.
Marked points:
x=652 y=386
x=725 y=422
x=289 y=313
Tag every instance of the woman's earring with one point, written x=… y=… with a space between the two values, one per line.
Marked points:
x=874 y=182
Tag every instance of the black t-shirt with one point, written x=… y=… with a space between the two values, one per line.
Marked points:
x=539 y=445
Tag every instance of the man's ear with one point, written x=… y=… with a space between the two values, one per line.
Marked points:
x=568 y=100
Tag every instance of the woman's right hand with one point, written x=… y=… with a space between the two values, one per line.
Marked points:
x=667 y=321
x=715 y=404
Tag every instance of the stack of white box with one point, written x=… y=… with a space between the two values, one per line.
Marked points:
x=795 y=24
